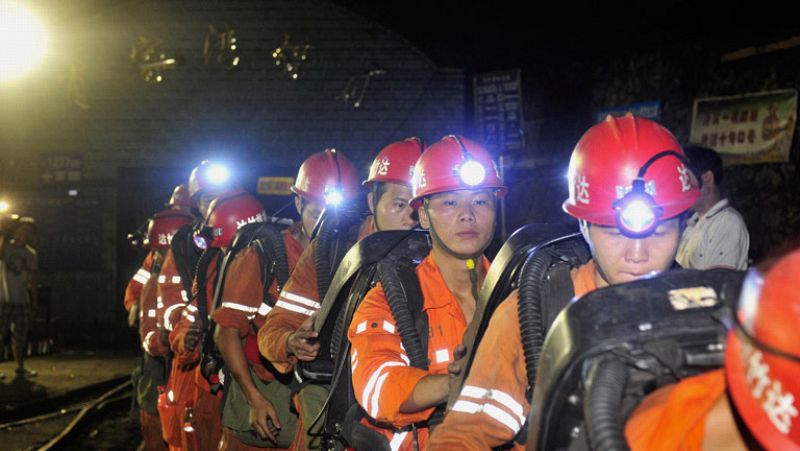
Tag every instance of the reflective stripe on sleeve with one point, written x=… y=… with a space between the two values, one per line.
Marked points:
x=300 y=300
x=239 y=307
x=147 y=340
x=264 y=309
x=373 y=411
x=500 y=397
x=141 y=276
x=168 y=313
x=294 y=308
x=489 y=410
x=373 y=381
x=397 y=440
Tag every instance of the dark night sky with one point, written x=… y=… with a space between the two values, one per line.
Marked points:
x=494 y=34
x=558 y=43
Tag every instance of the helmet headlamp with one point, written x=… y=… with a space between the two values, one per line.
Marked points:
x=218 y=174
x=637 y=213
x=333 y=197
x=471 y=173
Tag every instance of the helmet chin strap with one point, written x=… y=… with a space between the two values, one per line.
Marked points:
x=375 y=209
x=303 y=230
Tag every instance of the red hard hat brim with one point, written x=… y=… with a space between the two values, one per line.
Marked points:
x=368 y=183
x=499 y=191
x=748 y=407
x=588 y=215
x=306 y=194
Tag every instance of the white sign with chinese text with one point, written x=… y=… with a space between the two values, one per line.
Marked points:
x=750 y=128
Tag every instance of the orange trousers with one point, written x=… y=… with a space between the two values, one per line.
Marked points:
x=208 y=422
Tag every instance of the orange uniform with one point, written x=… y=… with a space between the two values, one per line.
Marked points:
x=243 y=308
x=172 y=297
x=207 y=422
x=492 y=406
x=378 y=359
x=148 y=319
x=134 y=289
x=674 y=416
x=151 y=344
x=298 y=300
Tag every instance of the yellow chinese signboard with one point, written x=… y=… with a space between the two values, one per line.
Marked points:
x=750 y=128
x=275 y=186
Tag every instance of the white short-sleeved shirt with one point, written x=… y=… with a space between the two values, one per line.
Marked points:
x=19 y=262
x=719 y=238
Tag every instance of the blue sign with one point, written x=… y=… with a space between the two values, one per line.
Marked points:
x=498 y=110
x=647 y=110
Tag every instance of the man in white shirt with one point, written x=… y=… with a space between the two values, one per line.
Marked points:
x=715 y=235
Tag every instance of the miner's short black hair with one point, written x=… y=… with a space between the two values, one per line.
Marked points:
x=704 y=159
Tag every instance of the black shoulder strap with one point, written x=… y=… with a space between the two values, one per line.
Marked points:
x=205 y=260
x=185 y=258
x=416 y=304
x=273 y=259
x=557 y=291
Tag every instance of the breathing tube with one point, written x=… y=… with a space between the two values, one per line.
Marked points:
x=603 y=403
x=533 y=273
x=398 y=304
x=276 y=251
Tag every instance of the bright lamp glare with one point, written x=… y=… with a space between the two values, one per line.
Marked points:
x=4 y=206
x=333 y=198
x=472 y=173
x=218 y=174
x=637 y=216
x=23 y=41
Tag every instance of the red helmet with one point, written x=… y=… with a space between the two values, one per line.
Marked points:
x=324 y=173
x=762 y=355
x=395 y=162
x=208 y=176
x=605 y=167
x=180 y=197
x=454 y=163
x=163 y=225
x=228 y=213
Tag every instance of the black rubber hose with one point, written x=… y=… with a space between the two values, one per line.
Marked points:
x=280 y=259
x=322 y=262
x=201 y=274
x=396 y=296
x=603 y=405
x=529 y=308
